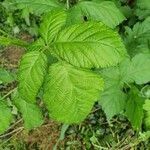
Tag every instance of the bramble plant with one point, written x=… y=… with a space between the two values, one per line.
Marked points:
x=79 y=58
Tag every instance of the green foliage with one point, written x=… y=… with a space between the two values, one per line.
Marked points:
x=51 y=25
x=129 y=71
x=31 y=74
x=89 y=45
x=138 y=39
x=112 y=101
x=113 y=98
x=37 y=6
x=146 y=91
x=80 y=44
x=71 y=92
x=6 y=41
x=31 y=114
x=5 y=116
x=140 y=70
x=105 y=12
x=98 y=11
x=63 y=82
x=143 y=8
x=146 y=107
x=5 y=76
x=134 y=108
x=143 y=4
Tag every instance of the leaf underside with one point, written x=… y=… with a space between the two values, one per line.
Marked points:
x=69 y=92
x=31 y=74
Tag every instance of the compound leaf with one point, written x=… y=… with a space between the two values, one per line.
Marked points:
x=31 y=74
x=5 y=116
x=52 y=24
x=89 y=45
x=69 y=92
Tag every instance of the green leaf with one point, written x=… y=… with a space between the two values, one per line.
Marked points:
x=134 y=109
x=127 y=72
x=144 y=136
x=74 y=16
x=26 y=15
x=144 y=4
x=31 y=74
x=37 y=6
x=52 y=24
x=117 y=76
x=142 y=9
x=6 y=41
x=146 y=107
x=105 y=12
x=31 y=114
x=145 y=91
x=112 y=101
x=69 y=92
x=5 y=76
x=142 y=13
x=5 y=116
x=137 y=39
x=89 y=45
x=38 y=45
x=140 y=68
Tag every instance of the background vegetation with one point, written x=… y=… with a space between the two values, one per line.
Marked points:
x=105 y=128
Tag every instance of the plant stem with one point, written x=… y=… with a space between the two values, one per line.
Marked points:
x=11 y=91
x=67 y=4
x=10 y=133
x=62 y=135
